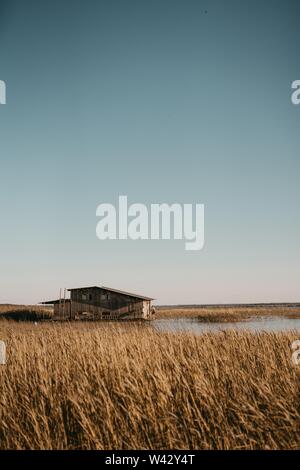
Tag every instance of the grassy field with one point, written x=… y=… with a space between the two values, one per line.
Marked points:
x=126 y=386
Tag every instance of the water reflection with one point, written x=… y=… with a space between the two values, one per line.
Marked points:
x=268 y=324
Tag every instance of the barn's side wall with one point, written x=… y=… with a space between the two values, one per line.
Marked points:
x=62 y=310
x=93 y=303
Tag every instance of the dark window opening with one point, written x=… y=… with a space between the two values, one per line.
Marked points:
x=104 y=296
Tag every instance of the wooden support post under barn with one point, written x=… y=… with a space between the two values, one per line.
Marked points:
x=102 y=303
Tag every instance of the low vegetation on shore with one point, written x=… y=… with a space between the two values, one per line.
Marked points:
x=219 y=313
x=127 y=386
x=211 y=314
x=25 y=312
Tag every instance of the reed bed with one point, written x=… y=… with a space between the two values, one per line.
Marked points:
x=25 y=312
x=127 y=386
x=228 y=314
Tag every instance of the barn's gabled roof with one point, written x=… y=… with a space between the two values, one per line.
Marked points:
x=109 y=289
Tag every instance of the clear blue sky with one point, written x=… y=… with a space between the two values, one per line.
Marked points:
x=164 y=102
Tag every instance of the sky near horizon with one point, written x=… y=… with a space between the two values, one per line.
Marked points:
x=163 y=101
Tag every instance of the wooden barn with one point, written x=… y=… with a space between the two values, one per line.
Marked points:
x=102 y=303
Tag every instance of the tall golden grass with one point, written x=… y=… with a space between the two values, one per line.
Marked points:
x=113 y=386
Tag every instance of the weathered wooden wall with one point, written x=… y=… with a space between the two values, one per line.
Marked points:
x=62 y=310
x=96 y=303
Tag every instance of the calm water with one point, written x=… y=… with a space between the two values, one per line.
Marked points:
x=257 y=324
